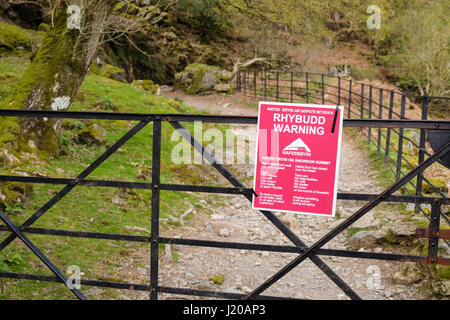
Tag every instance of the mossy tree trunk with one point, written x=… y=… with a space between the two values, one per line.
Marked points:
x=58 y=69
x=51 y=83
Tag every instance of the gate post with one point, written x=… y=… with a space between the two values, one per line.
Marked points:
x=370 y=113
x=265 y=85
x=254 y=83
x=323 y=88
x=278 y=79
x=292 y=87
x=350 y=98
x=362 y=100
x=380 y=116
x=433 y=242
x=339 y=91
x=156 y=169
x=388 y=133
x=425 y=104
x=245 y=83
x=400 y=139
x=237 y=81
x=307 y=87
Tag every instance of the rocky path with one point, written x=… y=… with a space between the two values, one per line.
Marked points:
x=235 y=220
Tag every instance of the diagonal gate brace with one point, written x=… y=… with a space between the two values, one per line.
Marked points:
x=40 y=255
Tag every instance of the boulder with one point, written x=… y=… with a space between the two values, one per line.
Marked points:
x=204 y=79
x=403 y=229
x=365 y=239
x=441 y=288
x=340 y=70
x=366 y=235
x=108 y=71
x=367 y=221
x=147 y=85
x=439 y=182
x=408 y=274
x=224 y=88
x=94 y=134
x=328 y=43
x=13 y=37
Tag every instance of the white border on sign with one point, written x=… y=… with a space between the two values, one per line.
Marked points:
x=338 y=156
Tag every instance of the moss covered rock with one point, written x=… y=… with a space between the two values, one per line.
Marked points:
x=217 y=279
x=14 y=192
x=145 y=173
x=147 y=85
x=438 y=182
x=203 y=79
x=108 y=71
x=94 y=134
x=13 y=38
x=409 y=162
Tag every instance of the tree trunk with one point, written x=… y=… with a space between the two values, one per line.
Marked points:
x=51 y=83
x=57 y=71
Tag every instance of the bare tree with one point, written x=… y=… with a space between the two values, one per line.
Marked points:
x=421 y=46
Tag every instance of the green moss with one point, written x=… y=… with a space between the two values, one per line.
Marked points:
x=443 y=272
x=128 y=8
x=119 y=8
x=95 y=68
x=390 y=237
x=217 y=279
x=147 y=85
x=200 y=68
x=12 y=37
x=195 y=73
x=9 y=131
x=49 y=143
x=54 y=48
x=438 y=182
x=8 y=76
x=12 y=193
x=94 y=134
x=356 y=230
x=43 y=27
x=409 y=162
x=112 y=72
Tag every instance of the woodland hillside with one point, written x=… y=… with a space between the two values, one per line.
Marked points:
x=135 y=56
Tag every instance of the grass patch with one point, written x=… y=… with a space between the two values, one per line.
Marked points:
x=95 y=209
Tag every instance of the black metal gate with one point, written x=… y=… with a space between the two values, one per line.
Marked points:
x=298 y=246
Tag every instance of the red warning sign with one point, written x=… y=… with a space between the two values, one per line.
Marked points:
x=297 y=158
